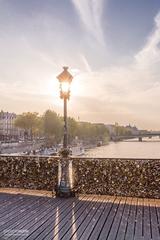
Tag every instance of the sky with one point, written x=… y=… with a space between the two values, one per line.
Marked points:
x=112 y=48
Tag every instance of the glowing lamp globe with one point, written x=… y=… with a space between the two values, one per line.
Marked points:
x=65 y=79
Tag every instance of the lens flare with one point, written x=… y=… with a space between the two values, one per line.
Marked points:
x=65 y=86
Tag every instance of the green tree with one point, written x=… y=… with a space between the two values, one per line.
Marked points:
x=52 y=127
x=101 y=133
x=92 y=133
x=28 y=121
x=122 y=131
x=72 y=129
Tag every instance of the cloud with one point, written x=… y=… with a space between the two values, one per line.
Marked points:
x=130 y=92
x=86 y=63
x=90 y=12
x=143 y=73
x=32 y=54
x=149 y=56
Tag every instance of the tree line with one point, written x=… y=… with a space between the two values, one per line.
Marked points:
x=50 y=126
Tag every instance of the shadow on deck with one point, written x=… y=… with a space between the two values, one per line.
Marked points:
x=86 y=217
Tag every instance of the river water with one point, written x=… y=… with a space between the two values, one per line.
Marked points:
x=149 y=148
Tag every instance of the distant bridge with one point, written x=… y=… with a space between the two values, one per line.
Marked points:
x=140 y=136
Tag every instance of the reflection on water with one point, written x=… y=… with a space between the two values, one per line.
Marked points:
x=149 y=148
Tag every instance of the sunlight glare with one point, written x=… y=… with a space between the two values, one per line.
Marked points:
x=77 y=87
x=65 y=87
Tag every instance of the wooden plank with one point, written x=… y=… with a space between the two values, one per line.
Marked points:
x=139 y=220
x=123 y=224
x=13 y=212
x=99 y=226
x=5 y=198
x=40 y=217
x=50 y=219
x=5 y=195
x=53 y=220
x=13 y=201
x=28 y=206
x=154 y=222
x=109 y=221
x=10 y=204
x=14 y=222
x=75 y=212
x=93 y=222
x=147 y=223
x=36 y=215
x=131 y=221
x=116 y=222
x=88 y=217
x=83 y=222
x=157 y=204
x=78 y=218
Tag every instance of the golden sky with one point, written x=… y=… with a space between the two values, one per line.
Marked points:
x=112 y=50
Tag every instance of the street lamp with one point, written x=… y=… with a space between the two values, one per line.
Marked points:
x=64 y=188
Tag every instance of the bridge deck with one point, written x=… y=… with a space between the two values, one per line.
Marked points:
x=86 y=217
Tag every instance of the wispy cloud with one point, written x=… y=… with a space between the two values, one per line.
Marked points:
x=132 y=90
x=32 y=54
x=90 y=12
x=86 y=63
x=149 y=56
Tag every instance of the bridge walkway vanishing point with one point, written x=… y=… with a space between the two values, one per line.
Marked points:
x=85 y=217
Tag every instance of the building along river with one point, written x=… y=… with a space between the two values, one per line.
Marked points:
x=148 y=148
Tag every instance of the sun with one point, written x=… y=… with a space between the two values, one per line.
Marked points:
x=52 y=86
x=76 y=85
x=75 y=88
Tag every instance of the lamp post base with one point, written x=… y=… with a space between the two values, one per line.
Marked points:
x=64 y=192
x=64 y=186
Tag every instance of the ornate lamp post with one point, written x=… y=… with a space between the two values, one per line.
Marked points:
x=64 y=188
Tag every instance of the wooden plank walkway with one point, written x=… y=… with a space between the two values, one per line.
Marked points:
x=86 y=217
